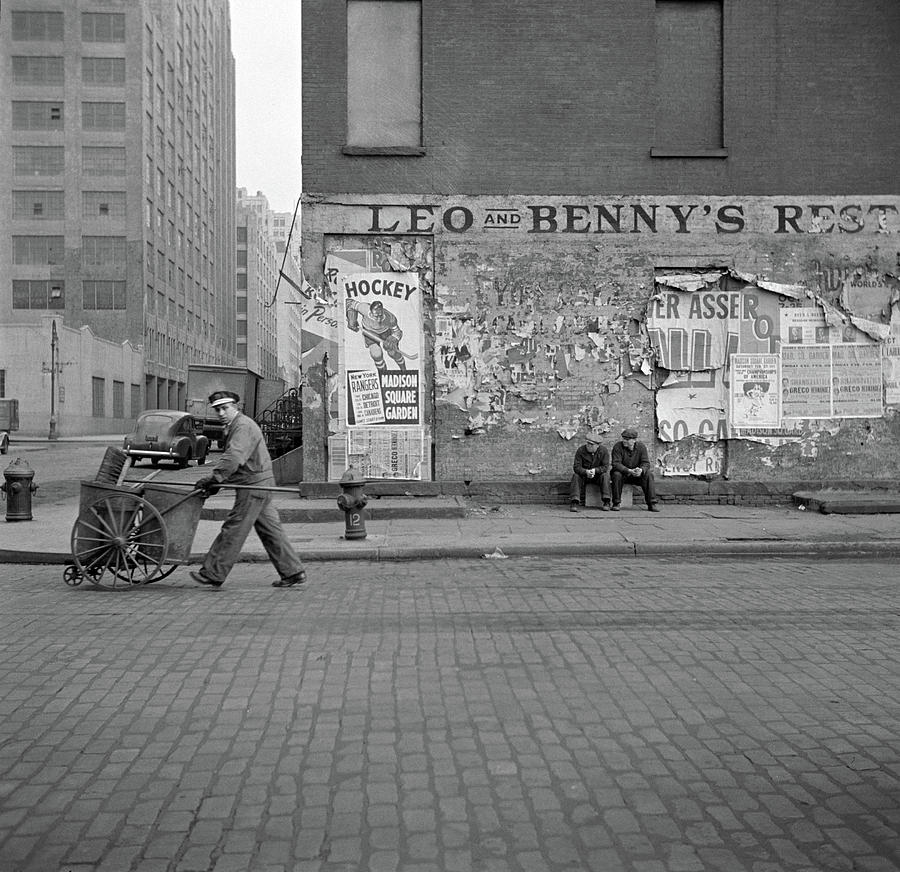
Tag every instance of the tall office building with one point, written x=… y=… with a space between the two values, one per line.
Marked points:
x=257 y=276
x=268 y=303
x=118 y=175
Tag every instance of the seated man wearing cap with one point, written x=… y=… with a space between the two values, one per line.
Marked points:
x=631 y=465
x=591 y=464
x=246 y=461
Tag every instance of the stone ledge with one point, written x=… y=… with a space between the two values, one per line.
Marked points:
x=680 y=490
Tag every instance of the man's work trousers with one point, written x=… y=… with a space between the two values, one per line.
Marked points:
x=251 y=510
x=576 y=487
x=644 y=481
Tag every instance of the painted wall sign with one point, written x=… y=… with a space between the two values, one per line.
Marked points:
x=639 y=216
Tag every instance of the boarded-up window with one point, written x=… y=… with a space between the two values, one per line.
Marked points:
x=98 y=397
x=384 y=100
x=688 y=75
x=33 y=70
x=118 y=399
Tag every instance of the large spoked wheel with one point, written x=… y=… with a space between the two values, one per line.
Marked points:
x=119 y=541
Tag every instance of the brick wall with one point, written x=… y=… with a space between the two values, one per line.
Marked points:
x=521 y=96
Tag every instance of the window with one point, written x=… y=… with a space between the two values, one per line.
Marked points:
x=98 y=397
x=103 y=204
x=103 y=27
x=97 y=160
x=103 y=116
x=103 y=71
x=38 y=294
x=135 y=400
x=118 y=399
x=38 y=160
x=37 y=26
x=688 y=79
x=38 y=204
x=2 y=383
x=37 y=115
x=32 y=70
x=384 y=100
x=103 y=251
x=242 y=258
x=242 y=235
x=102 y=295
x=38 y=250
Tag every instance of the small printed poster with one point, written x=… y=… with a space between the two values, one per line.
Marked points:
x=755 y=394
x=365 y=397
x=806 y=381
x=856 y=381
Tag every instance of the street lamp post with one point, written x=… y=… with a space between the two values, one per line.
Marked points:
x=54 y=356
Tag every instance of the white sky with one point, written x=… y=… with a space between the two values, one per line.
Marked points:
x=265 y=42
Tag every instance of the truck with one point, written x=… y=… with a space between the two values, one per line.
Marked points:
x=203 y=380
x=9 y=421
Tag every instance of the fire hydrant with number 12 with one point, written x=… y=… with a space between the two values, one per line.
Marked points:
x=352 y=502
x=18 y=488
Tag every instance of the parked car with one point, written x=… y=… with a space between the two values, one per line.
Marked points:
x=167 y=434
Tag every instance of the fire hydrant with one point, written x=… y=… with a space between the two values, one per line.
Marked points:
x=17 y=489
x=352 y=502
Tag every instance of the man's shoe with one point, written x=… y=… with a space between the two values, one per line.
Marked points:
x=573 y=507
x=653 y=507
x=291 y=580
x=200 y=578
x=604 y=507
x=616 y=508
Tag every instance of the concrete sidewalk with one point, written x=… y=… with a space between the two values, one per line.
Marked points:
x=423 y=528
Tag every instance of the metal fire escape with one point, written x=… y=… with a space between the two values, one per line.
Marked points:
x=282 y=423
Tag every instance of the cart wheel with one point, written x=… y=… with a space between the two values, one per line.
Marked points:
x=119 y=541
x=72 y=576
x=163 y=573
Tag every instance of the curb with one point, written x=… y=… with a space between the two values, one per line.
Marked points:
x=386 y=553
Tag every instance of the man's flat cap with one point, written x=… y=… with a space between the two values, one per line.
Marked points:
x=219 y=398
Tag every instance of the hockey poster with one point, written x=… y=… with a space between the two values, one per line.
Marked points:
x=383 y=345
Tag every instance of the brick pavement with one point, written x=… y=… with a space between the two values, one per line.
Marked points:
x=499 y=716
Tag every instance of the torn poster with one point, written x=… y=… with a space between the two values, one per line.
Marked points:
x=698 y=330
x=691 y=404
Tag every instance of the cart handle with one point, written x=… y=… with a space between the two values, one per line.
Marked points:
x=258 y=487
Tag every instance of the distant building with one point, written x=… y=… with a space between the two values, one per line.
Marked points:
x=118 y=175
x=590 y=215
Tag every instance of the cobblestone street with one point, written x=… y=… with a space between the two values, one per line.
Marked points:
x=497 y=715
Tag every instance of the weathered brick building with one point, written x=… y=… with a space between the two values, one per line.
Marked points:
x=681 y=215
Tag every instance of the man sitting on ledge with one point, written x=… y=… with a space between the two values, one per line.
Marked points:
x=631 y=465
x=591 y=465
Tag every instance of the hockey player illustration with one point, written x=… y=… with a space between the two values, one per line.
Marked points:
x=380 y=332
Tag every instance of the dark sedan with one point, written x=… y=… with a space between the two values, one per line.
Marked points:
x=166 y=434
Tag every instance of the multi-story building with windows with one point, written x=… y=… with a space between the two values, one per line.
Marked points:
x=256 y=328
x=119 y=178
x=526 y=219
